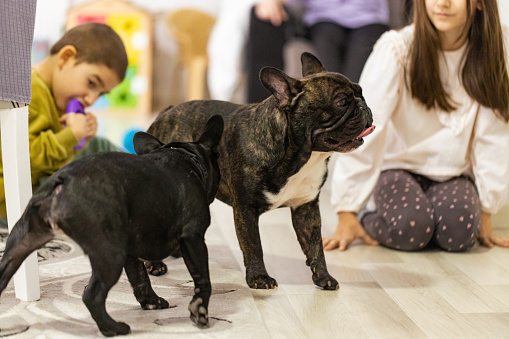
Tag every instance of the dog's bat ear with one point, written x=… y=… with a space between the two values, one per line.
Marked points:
x=311 y=64
x=145 y=143
x=213 y=132
x=282 y=86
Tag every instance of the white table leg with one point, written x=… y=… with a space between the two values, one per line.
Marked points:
x=18 y=191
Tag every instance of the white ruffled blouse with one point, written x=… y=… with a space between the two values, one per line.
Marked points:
x=439 y=145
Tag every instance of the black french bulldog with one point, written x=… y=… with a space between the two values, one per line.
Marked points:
x=120 y=207
x=275 y=154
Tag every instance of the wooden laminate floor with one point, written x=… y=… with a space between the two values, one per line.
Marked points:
x=383 y=293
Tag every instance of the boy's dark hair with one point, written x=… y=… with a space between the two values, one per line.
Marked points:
x=95 y=43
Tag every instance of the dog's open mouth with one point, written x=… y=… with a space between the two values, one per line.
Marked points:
x=348 y=146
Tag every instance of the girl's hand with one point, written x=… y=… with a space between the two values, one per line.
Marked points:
x=486 y=237
x=271 y=10
x=348 y=230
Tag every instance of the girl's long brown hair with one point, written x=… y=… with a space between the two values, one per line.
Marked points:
x=484 y=73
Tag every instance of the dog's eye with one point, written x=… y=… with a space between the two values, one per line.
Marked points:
x=342 y=102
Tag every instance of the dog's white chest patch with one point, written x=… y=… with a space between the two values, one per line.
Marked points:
x=303 y=186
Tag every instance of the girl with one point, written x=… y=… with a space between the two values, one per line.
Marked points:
x=437 y=164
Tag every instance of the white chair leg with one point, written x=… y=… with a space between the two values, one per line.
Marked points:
x=18 y=191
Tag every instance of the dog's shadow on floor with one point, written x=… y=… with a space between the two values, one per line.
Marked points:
x=293 y=271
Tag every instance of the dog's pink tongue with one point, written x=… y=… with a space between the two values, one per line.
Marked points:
x=367 y=131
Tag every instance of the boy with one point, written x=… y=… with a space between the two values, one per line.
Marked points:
x=87 y=62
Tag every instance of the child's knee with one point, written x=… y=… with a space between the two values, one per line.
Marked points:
x=458 y=241
x=456 y=233
x=412 y=235
x=402 y=232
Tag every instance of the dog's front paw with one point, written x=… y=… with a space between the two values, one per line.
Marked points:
x=118 y=329
x=326 y=281
x=199 y=314
x=261 y=281
x=156 y=267
x=157 y=304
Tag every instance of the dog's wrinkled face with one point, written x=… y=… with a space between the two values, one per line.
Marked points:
x=341 y=117
x=327 y=105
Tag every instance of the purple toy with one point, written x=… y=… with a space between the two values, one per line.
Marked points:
x=75 y=106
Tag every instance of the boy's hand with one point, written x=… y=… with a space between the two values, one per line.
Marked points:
x=348 y=230
x=486 y=237
x=92 y=125
x=81 y=125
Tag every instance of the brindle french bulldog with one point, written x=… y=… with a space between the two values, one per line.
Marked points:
x=275 y=154
x=120 y=207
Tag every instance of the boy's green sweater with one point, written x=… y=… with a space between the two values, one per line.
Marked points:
x=51 y=144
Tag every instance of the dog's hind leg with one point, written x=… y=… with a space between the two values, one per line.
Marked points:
x=105 y=273
x=307 y=224
x=194 y=252
x=29 y=233
x=138 y=277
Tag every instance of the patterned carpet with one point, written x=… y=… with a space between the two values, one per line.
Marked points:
x=52 y=250
x=64 y=272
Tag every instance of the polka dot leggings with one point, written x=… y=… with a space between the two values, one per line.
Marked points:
x=414 y=211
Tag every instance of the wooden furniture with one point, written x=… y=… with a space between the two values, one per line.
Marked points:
x=16 y=31
x=191 y=29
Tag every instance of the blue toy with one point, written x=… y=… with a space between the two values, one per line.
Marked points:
x=128 y=139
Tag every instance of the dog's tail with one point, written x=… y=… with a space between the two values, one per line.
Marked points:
x=30 y=232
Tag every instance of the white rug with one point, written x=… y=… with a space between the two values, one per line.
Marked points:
x=60 y=313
